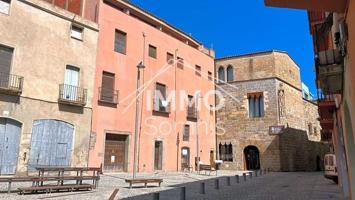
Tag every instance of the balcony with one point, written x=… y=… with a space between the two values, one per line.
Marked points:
x=326 y=108
x=72 y=95
x=10 y=84
x=108 y=96
x=191 y=113
x=161 y=106
x=330 y=68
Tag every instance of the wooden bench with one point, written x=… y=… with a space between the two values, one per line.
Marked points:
x=50 y=188
x=207 y=168
x=38 y=181
x=145 y=181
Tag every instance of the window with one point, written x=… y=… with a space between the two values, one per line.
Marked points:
x=198 y=70
x=160 y=100
x=169 y=58
x=120 y=42
x=191 y=108
x=211 y=109
x=210 y=76
x=256 y=105
x=5 y=6
x=5 y=60
x=226 y=152
x=152 y=51
x=107 y=93
x=310 y=129
x=315 y=131
x=186 y=135
x=76 y=32
x=74 y=6
x=230 y=75
x=221 y=75
x=180 y=63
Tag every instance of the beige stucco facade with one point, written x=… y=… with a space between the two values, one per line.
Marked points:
x=39 y=35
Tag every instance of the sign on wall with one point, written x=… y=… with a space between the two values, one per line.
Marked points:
x=276 y=130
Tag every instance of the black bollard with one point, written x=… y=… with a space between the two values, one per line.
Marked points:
x=251 y=175
x=217 y=184
x=245 y=176
x=261 y=172
x=156 y=196
x=237 y=178
x=228 y=181
x=202 y=188
x=183 y=193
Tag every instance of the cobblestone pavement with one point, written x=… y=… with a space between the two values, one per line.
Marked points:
x=273 y=186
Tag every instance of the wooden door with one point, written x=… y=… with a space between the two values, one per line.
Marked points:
x=158 y=155
x=185 y=158
x=10 y=132
x=115 y=152
x=51 y=143
x=252 y=159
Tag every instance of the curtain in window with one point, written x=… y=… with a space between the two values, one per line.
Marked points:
x=251 y=107
x=261 y=103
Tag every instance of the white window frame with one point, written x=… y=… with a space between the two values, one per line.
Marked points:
x=5 y=7
x=75 y=34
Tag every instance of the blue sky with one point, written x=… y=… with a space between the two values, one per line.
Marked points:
x=241 y=26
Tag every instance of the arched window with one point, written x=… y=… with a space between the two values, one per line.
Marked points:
x=221 y=74
x=230 y=75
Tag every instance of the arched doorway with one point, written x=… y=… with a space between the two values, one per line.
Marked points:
x=51 y=143
x=10 y=132
x=252 y=158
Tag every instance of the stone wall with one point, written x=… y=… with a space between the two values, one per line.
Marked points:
x=277 y=76
x=298 y=153
x=235 y=125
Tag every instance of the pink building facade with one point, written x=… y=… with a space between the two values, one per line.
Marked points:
x=178 y=70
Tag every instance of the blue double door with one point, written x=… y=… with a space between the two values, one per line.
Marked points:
x=51 y=143
x=10 y=133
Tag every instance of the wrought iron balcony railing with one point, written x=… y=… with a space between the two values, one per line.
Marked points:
x=108 y=95
x=191 y=112
x=161 y=106
x=11 y=84
x=72 y=95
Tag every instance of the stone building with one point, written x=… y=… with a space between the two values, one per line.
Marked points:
x=265 y=118
x=47 y=68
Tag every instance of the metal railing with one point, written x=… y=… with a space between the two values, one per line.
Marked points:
x=158 y=106
x=72 y=95
x=108 y=95
x=11 y=83
x=191 y=112
x=324 y=98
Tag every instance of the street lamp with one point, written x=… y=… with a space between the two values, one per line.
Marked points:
x=137 y=123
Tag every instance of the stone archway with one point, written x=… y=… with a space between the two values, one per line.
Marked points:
x=252 y=157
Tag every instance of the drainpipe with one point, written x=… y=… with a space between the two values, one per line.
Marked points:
x=177 y=136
